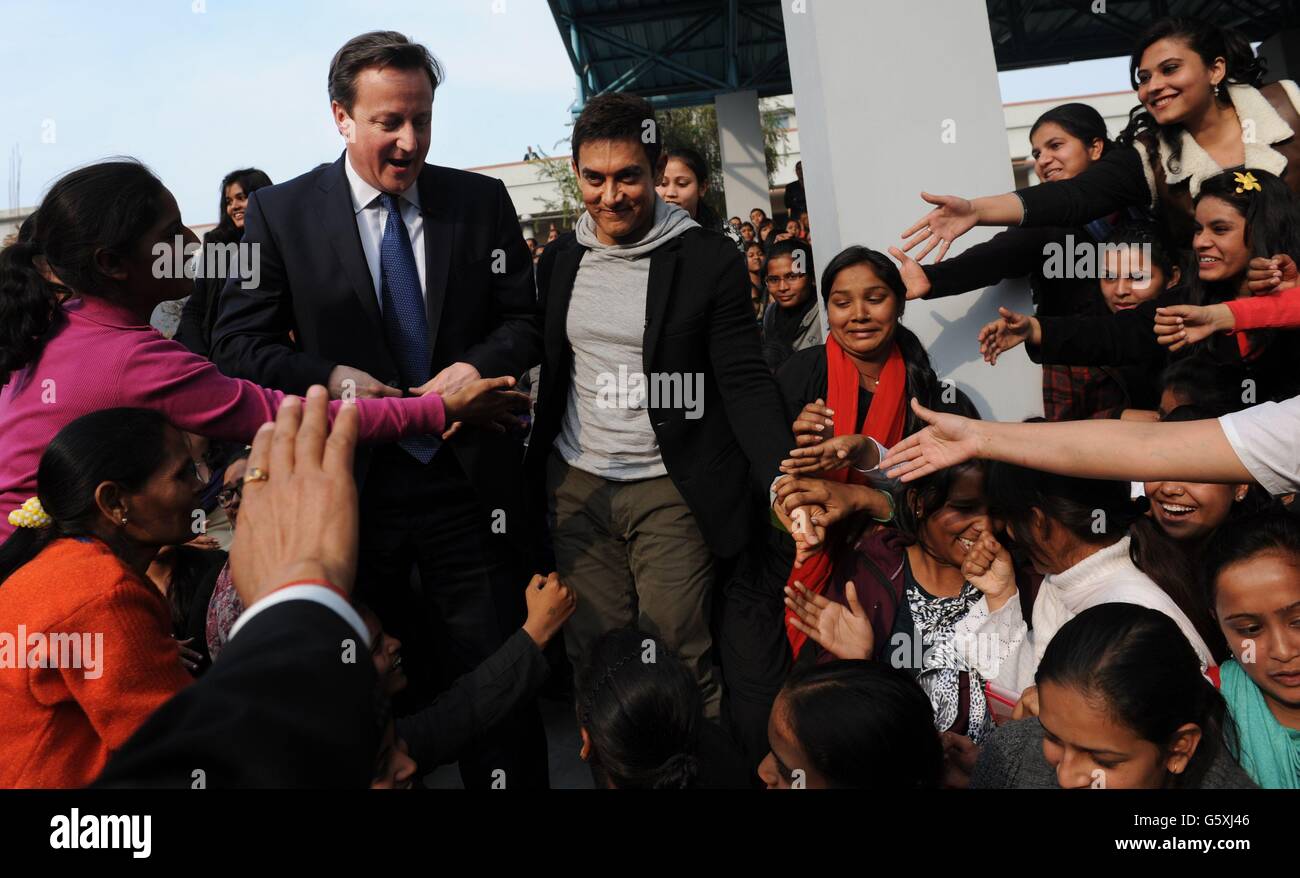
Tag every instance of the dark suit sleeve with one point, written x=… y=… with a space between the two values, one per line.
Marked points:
x=251 y=332
x=1014 y=252
x=1113 y=182
x=515 y=345
x=192 y=331
x=475 y=703
x=1122 y=339
x=749 y=392
x=280 y=708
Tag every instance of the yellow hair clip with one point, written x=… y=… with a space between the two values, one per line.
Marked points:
x=1246 y=182
x=30 y=514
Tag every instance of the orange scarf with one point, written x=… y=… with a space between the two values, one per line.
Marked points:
x=885 y=419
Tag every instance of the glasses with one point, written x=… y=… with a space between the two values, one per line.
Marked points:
x=774 y=280
x=229 y=496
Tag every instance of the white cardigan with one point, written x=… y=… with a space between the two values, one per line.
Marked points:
x=1007 y=653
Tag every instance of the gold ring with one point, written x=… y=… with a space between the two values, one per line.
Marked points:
x=256 y=474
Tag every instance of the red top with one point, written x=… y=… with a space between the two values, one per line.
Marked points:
x=110 y=663
x=1280 y=310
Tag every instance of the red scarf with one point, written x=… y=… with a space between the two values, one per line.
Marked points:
x=885 y=419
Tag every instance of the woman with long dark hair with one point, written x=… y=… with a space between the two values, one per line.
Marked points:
x=1076 y=533
x=852 y=725
x=1199 y=86
x=1169 y=542
x=899 y=592
x=1252 y=578
x=684 y=180
x=200 y=312
x=115 y=486
x=85 y=343
x=1122 y=705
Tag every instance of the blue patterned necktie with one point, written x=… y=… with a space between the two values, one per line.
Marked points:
x=405 y=323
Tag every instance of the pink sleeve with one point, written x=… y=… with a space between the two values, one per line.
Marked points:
x=161 y=374
x=1280 y=310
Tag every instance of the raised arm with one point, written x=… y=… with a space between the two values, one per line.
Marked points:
x=1195 y=451
x=1115 y=181
x=161 y=374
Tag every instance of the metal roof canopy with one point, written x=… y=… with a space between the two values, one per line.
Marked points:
x=685 y=52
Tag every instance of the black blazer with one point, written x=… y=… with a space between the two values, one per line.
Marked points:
x=480 y=298
x=698 y=320
x=281 y=709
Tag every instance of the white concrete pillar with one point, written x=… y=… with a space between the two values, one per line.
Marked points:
x=744 y=169
x=893 y=97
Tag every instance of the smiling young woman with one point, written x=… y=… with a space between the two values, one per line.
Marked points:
x=1199 y=87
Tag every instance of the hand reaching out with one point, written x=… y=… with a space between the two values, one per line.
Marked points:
x=830 y=454
x=947 y=441
x=550 y=603
x=1270 y=274
x=1005 y=333
x=1178 y=326
x=951 y=218
x=843 y=631
x=914 y=276
x=815 y=423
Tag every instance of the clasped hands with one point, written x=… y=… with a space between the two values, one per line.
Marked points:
x=807 y=505
x=466 y=397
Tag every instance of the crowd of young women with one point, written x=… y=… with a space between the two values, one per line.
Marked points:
x=1108 y=598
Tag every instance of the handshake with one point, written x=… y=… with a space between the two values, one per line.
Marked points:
x=466 y=398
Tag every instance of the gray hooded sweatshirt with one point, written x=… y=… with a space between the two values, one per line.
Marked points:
x=606 y=429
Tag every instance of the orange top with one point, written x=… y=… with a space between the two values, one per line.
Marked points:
x=86 y=655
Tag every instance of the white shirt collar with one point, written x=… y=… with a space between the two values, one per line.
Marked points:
x=363 y=194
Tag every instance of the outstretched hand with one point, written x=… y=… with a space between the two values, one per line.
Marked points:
x=947 y=441
x=914 y=277
x=844 y=632
x=1010 y=329
x=1178 y=326
x=951 y=218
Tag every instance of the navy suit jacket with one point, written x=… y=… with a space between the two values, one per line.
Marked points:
x=315 y=306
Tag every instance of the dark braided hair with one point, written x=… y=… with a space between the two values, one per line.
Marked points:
x=642 y=709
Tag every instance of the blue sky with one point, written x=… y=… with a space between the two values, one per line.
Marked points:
x=197 y=94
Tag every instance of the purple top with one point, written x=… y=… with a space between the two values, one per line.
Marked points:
x=101 y=357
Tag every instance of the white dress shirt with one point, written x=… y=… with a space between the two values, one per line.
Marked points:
x=372 y=216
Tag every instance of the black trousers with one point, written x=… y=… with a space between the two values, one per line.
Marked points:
x=451 y=590
x=752 y=645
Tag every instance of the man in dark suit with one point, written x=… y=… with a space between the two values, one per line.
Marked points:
x=381 y=275
x=657 y=422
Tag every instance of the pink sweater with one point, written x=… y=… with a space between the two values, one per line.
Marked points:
x=102 y=357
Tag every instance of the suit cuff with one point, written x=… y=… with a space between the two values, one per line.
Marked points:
x=321 y=594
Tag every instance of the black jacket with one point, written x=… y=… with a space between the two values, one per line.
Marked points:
x=281 y=709
x=475 y=704
x=1018 y=252
x=1124 y=344
x=698 y=320
x=200 y=312
x=480 y=299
